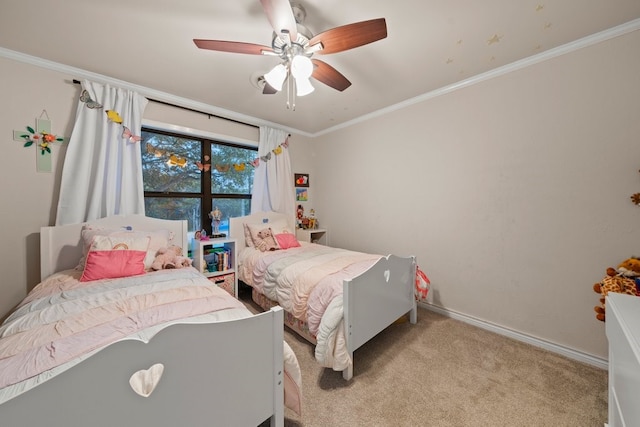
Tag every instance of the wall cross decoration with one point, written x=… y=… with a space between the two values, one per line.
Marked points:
x=41 y=138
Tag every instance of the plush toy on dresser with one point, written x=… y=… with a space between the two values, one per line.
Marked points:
x=624 y=280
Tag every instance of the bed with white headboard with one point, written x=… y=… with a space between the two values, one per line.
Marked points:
x=368 y=301
x=61 y=246
x=216 y=368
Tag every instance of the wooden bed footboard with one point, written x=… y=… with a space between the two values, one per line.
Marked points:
x=377 y=298
x=225 y=373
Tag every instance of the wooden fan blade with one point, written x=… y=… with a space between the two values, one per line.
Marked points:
x=233 y=47
x=281 y=17
x=349 y=36
x=328 y=75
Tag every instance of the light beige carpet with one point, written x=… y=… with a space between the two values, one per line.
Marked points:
x=443 y=372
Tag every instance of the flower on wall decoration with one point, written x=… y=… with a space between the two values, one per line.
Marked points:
x=43 y=139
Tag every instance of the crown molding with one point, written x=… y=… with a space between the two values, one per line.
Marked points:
x=514 y=66
x=80 y=74
x=206 y=108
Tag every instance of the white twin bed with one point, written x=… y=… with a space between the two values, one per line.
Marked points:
x=204 y=368
x=198 y=366
x=335 y=298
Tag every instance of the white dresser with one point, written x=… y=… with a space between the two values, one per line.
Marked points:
x=623 y=333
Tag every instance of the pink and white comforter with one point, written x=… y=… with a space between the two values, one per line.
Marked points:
x=307 y=282
x=63 y=321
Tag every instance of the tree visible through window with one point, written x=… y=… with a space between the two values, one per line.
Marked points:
x=186 y=177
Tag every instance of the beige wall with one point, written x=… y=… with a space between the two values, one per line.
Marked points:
x=29 y=199
x=512 y=193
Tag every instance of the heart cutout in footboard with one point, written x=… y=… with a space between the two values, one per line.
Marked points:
x=145 y=381
x=387 y=274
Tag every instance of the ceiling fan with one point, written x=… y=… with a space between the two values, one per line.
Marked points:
x=296 y=45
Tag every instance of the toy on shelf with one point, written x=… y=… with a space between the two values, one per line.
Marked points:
x=304 y=222
x=201 y=235
x=624 y=280
x=216 y=218
x=299 y=215
x=313 y=222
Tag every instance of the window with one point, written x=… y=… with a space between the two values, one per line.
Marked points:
x=186 y=177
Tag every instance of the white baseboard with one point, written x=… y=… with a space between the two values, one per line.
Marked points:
x=519 y=336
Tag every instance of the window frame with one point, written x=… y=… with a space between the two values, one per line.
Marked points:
x=206 y=194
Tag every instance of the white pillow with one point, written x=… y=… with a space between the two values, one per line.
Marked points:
x=118 y=241
x=157 y=239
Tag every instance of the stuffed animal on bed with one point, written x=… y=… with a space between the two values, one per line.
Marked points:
x=265 y=240
x=622 y=280
x=171 y=257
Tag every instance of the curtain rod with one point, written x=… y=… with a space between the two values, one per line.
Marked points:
x=191 y=109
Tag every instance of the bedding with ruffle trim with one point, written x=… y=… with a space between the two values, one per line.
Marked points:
x=307 y=282
x=63 y=321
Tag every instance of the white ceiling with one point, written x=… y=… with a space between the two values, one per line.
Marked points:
x=431 y=44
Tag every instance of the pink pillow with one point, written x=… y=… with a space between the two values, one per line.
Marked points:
x=287 y=240
x=157 y=239
x=111 y=264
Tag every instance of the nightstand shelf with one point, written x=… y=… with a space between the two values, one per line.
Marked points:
x=318 y=235
x=216 y=259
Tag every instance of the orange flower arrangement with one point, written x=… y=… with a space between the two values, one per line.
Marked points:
x=43 y=139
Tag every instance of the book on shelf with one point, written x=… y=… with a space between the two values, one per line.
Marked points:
x=221 y=258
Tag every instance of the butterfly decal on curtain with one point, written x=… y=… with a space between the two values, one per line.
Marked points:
x=255 y=162
x=222 y=168
x=239 y=167
x=277 y=151
x=126 y=134
x=266 y=157
x=90 y=103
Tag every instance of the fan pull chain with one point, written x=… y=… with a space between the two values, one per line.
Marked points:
x=291 y=93
x=288 y=93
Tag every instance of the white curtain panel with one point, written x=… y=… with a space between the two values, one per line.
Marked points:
x=102 y=172
x=273 y=180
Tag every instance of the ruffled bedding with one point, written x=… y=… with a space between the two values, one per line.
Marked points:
x=63 y=321
x=307 y=281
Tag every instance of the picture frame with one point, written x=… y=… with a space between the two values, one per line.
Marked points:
x=302 y=195
x=301 y=179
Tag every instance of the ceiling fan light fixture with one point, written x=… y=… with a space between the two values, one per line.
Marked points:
x=301 y=67
x=310 y=49
x=303 y=87
x=295 y=44
x=276 y=77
